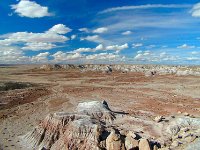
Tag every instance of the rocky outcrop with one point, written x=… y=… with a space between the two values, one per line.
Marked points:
x=97 y=110
x=183 y=130
x=94 y=126
x=82 y=130
x=148 y=70
x=82 y=134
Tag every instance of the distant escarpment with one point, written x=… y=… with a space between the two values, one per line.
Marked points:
x=148 y=70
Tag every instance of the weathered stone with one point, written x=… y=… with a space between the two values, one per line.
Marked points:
x=130 y=141
x=190 y=138
x=186 y=129
x=174 y=129
x=123 y=132
x=97 y=110
x=158 y=118
x=132 y=134
x=114 y=142
x=175 y=144
x=144 y=145
x=185 y=135
x=186 y=114
x=179 y=112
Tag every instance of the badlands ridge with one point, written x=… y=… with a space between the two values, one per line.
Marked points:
x=147 y=69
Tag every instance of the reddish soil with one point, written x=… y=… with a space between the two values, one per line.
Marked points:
x=62 y=90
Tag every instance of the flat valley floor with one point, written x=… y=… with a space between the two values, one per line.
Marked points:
x=55 y=91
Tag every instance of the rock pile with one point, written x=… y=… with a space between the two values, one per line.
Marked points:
x=94 y=126
x=183 y=130
x=90 y=128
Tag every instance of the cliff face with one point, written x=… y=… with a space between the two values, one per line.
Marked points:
x=94 y=126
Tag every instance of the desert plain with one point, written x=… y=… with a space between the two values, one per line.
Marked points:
x=135 y=94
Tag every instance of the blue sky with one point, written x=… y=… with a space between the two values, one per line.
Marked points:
x=91 y=31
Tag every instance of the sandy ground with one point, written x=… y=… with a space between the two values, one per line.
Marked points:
x=63 y=90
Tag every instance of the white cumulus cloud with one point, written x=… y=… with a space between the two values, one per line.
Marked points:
x=138 y=56
x=100 y=30
x=93 y=38
x=100 y=47
x=41 y=57
x=31 y=9
x=102 y=56
x=11 y=54
x=35 y=46
x=117 y=48
x=37 y=41
x=196 y=10
x=81 y=50
x=149 y=56
x=59 y=29
x=64 y=56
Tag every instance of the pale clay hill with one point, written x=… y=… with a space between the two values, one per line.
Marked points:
x=94 y=126
x=58 y=107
